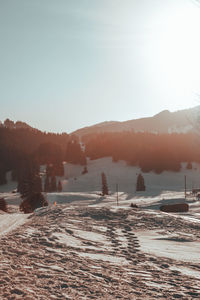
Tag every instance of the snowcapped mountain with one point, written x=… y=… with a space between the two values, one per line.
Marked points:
x=181 y=121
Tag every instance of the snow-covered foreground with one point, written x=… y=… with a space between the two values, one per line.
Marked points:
x=9 y=222
x=100 y=252
x=87 y=247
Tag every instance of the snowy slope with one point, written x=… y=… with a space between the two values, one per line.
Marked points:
x=87 y=247
x=10 y=222
x=126 y=177
x=73 y=252
x=167 y=185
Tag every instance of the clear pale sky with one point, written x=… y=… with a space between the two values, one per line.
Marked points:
x=66 y=64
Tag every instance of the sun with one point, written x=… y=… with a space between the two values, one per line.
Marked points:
x=175 y=46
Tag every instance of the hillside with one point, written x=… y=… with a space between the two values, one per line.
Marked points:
x=164 y=122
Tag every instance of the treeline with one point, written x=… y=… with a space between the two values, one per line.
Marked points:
x=20 y=147
x=151 y=152
x=50 y=183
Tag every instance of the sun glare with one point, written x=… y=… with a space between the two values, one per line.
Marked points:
x=176 y=47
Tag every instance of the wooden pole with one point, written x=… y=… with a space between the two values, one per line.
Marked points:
x=117 y=194
x=185 y=186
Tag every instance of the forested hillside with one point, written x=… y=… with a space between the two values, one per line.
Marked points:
x=25 y=146
x=151 y=152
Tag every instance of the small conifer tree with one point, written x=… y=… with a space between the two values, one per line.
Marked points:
x=38 y=184
x=3 y=179
x=53 y=184
x=59 y=169
x=49 y=170
x=59 y=186
x=104 y=184
x=30 y=190
x=33 y=201
x=140 y=186
x=189 y=165
x=14 y=175
x=47 y=184
x=3 y=205
x=85 y=170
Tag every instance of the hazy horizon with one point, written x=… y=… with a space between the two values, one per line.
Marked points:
x=104 y=121
x=69 y=64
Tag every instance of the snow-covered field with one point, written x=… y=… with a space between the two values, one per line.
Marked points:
x=87 y=247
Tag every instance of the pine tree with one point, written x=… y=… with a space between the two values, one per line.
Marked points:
x=47 y=184
x=30 y=188
x=59 y=188
x=38 y=184
x=3 y=179
x=53 y=186
x=189 y=165
x=3 y=205
x=104 y=184
x=9 y=123
x=74 y=153
x=140 y=186
x=33 y=201
x=85 y=170
x=49 y=170
x=59 y=169
x=14 y=175
x=30 y=185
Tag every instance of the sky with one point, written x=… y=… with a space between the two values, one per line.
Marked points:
x=67 y=64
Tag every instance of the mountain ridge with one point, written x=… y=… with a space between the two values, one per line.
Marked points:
x=181 y=121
